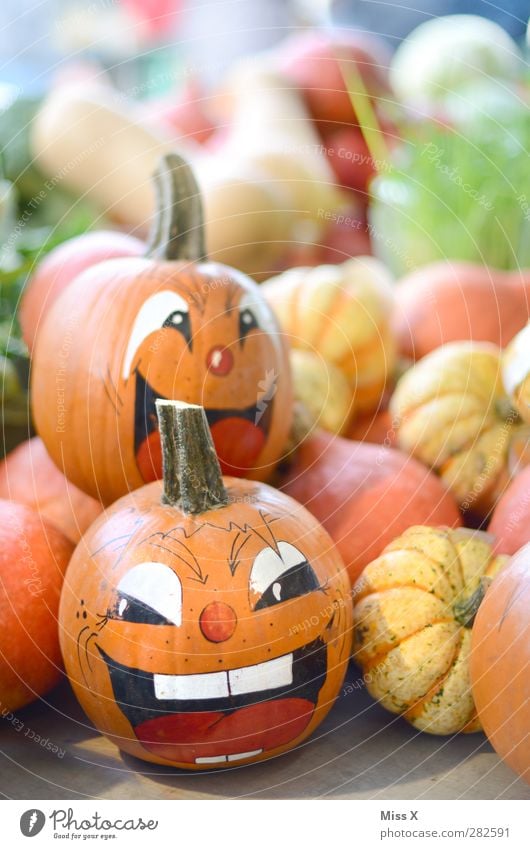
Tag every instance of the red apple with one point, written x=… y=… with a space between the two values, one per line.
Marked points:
x=312 y=60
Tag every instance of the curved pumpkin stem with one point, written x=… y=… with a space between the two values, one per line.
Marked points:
x=466 y=610
x=178 y=227
x=192 y=476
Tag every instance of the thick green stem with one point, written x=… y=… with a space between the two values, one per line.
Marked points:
x=178 y=227
x=192 y=476
x=466 y=610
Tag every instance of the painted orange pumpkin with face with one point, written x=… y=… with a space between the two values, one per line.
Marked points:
x=205 y=623
x=171 y=325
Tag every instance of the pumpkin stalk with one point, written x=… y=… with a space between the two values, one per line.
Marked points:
x=192 y=476
x=178 y=227
x=466 y=610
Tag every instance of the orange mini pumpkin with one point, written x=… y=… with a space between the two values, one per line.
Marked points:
x=172 y=326
x=500 y=663
x=205 y=624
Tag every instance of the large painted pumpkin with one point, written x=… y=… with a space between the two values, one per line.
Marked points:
x=342 y=314
x=205 y=624
x=500 y=663
x=414 y=608
x=172 y=325
x=516 y=372
x=451 y=412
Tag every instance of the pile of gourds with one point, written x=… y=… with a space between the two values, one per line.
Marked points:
x=208 y=620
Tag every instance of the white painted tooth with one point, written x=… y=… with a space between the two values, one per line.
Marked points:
x=220 y=759
x=243 y=755
x=209 y=685
x=262 y=676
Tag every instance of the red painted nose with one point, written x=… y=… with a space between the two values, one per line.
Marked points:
x=220 y=361
x=218 y=621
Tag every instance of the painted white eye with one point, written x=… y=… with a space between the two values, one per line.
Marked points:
x=254 y=312
x=150 y=593
x=158 y=311
x=280 y=576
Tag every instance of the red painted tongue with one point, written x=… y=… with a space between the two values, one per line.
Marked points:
x=149 y=458
x=183 y=737
x=238 y=443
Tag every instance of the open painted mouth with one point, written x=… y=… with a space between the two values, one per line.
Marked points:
x=221 y=717
x=238 y=435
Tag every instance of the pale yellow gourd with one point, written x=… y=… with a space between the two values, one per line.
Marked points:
x=450 y=410
x=342 y=314
x=414 y=607
x=516 y=372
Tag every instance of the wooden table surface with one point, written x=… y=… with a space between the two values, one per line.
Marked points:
x=359 y=752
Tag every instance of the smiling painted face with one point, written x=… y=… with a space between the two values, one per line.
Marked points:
x=130 y=330
x=208 y=339
x=211 y=640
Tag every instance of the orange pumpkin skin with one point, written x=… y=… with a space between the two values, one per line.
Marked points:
x=33 y=559
x=223 y=627
x=510 y=523
x=61 y=266
x=451 y=301
x=112 y=343
x=500 y=660
x=28 y=476
x=366 y=495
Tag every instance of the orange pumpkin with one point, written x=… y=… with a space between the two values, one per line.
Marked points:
x=340 y=313
x=510 y=522
x=414 y=610
x=451 y=412
x=205 y=623
x=500 y=663
x=33 y=559
x=172 y=326
x=365 y=495
x=27 y=475
x=61 y=266
x=450 y=301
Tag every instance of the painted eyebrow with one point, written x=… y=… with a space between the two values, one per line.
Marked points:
x=149 y=318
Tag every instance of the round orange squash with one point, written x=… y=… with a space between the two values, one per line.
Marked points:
x=171 y=325
x=449 y=301
x=365 y=495
x=341 y=314
x=516 y=372
x=28 y=476
x=510 y=522
x=414 y=608
x=33 y=559
x=500 y=663
x=61 y=266
x=205 y=622
x=451 y=412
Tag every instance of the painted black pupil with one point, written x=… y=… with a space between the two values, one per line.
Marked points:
x=180 y=320
x=296 y=581
x=129 y=609
x=247 y=322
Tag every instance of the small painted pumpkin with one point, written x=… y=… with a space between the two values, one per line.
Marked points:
x=170 y=325
x=205 y=623
x=342 y=313
x=516 y=372
x=451 y=412
x=500 y=663
x=413 y=611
